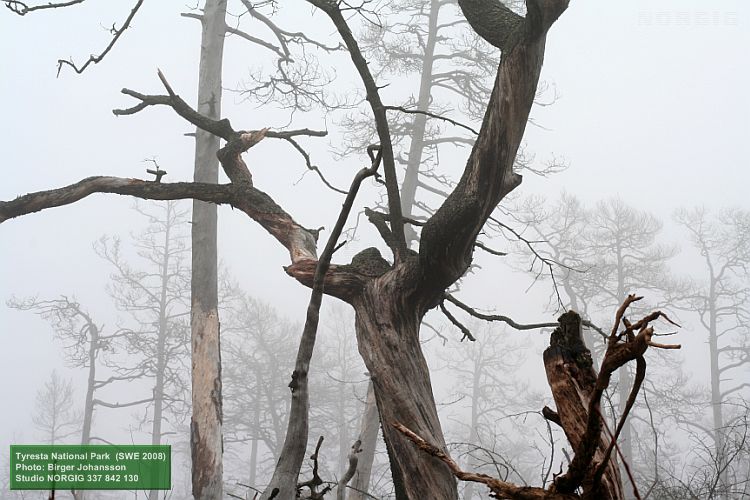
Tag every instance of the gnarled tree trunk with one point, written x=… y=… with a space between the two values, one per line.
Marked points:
x=389 y=300
x=572 y=378
x=392 y=300
x=387 y=326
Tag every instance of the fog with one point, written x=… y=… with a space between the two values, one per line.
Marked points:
x=646 y=103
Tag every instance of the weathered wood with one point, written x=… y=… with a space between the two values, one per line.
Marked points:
x=368 y=437
x=572 y=379
x=387 y=327
x=448 y=238
x=206 y=420
x=389 y=302
x=498 y=487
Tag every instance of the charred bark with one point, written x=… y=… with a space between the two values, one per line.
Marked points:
x=572 y=379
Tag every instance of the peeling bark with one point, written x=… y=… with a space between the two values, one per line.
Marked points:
x=572 y=378
x=206 y=420
x=388 y=337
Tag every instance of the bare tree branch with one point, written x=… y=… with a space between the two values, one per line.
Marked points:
x=497 y=317
x=40 y=200
x=461 y=326
x=432 y=115
x=241 y=34
x=22 y=8
x=95 y=59
x=99 y=402
x=500 y=489
x=381 y=122
x=287 y=470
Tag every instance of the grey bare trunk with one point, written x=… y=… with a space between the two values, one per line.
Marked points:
x=205 y=425
x=161 y=341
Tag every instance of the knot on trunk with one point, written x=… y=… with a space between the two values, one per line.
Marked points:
x=369 y=263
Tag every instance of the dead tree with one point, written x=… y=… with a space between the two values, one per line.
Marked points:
x=577 y=390
x=206 y=417
x=53 y=414
x=605 y=253
x=257 y=347
x=389 y=298
x=86 y=346
x=720 y=300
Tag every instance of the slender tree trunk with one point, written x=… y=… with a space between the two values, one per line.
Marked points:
x=205 y=425
x=416 y=146
x=53 y=431
x=254 y=445
x=161 y=340
x=256 y=429
x=343 y=430
x=625 y=441
x=716 y=400
x=284 y=482
x=88 y=408
x=473 y=422
x=368 y=436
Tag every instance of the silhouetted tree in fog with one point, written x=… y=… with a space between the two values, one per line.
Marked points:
x=54 y=410
x=85 y=346
x=721 y=299
x=257 y=356
x=151 y=341
x=151 y=290
x=485 y=382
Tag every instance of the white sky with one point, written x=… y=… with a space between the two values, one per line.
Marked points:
x=654 y=107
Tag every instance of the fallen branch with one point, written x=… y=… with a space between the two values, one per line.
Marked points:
x=501 y=489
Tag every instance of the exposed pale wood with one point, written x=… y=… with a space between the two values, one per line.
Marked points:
x=572 y=379
x=206 y=420
x=368 y=437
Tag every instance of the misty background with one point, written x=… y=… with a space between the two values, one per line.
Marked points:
x=648 y=105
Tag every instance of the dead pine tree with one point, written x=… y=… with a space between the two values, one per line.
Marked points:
x=389 y=296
